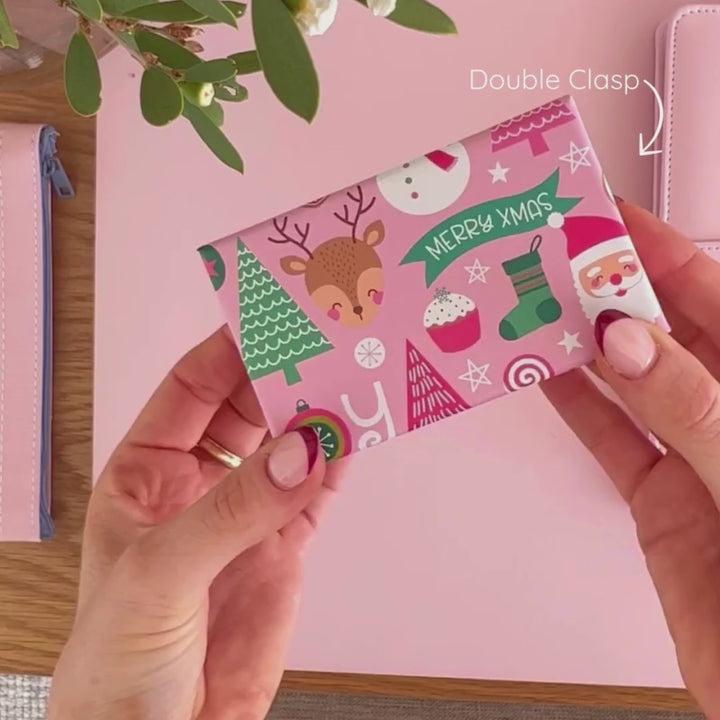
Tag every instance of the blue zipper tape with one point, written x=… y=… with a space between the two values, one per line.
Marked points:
x=54 y=178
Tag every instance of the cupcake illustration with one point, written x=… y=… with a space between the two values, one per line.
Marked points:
x=452 y=321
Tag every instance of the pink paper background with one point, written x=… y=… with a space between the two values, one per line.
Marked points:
x=333 y=374
x=461 y=550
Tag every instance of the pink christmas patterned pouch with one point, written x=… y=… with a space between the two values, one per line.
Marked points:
x=473 y=271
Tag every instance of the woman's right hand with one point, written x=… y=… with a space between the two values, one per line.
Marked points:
x=671 y=385
x=191 y=572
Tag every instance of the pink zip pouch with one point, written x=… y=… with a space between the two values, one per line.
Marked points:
x=29 y=170
x=687 y=181
x=473 y=271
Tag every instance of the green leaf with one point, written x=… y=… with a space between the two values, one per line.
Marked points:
x=284 y=57
x=213 y=137
x=246 y=62
x=8 y=38
x=421 y=15
x=179 y=11
x=215 y=112
x=167 y=51
x=120 y=7
x=175 y=11
x=161 y=100
x=211 y=71
x=231 y=91
x=215 y=10
x=82 y=76
x=91 y=9
x=128 y=40
x=236 y=8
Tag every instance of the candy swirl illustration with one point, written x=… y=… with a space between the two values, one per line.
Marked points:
x=525 y=371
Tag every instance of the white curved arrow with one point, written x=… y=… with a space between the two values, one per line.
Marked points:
x=645 y=149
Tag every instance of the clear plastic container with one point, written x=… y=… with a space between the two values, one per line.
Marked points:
x=44 y=30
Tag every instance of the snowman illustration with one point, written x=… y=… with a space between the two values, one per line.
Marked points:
x=429 y=184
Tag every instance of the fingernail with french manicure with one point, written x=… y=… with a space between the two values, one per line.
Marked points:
x=292 y=458
x=603 y=322
x=627 y=346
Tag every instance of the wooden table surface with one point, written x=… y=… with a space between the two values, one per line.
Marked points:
x=37 y=582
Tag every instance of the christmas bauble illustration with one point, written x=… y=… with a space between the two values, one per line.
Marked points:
x=214 y=265
x=332 y=431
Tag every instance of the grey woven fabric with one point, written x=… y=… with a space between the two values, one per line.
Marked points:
x=24 y=697
x=310 y=706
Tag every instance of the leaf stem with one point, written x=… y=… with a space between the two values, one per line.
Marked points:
x=122 y=41
x=103 y=26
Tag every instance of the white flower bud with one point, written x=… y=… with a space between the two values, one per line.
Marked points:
x=381 y=8
x=314 y=17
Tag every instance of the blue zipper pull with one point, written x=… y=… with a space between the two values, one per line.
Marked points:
x=58 y=177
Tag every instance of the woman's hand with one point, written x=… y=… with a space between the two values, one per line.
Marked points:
x=671 y=386
x=191 y=573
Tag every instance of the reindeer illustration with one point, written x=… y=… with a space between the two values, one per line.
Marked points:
x=343 y=275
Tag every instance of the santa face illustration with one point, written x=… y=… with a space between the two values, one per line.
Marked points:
x=615 y=275
x=606 y=269
x=611 y=280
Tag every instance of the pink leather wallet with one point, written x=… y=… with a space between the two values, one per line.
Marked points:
x=29 y=168
x=687 y=173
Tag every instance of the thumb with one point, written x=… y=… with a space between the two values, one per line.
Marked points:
x=264 y=494
x=667 y=388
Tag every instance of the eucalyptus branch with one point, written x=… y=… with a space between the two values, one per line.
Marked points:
x=86 y=24
x=122 y=40
x=160 y=36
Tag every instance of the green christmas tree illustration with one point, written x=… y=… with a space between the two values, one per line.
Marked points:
x=275 y=334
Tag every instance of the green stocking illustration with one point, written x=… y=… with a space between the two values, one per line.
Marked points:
x=537 y=305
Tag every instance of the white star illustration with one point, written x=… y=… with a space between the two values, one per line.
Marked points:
x=477 y=272
x=570 y=342
x=499 y=173
x=577 y=157
x=476 y=376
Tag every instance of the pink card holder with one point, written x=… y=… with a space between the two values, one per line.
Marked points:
x=687 y=180
x=29 y=168
x=471 y=272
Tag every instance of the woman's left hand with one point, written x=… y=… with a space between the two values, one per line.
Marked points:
x=191 y=573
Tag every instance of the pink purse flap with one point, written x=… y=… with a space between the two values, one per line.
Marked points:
x=687 y=180
x=28 y=168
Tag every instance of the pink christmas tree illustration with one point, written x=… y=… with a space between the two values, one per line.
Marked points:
x=531 y=126
x=429 y=396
